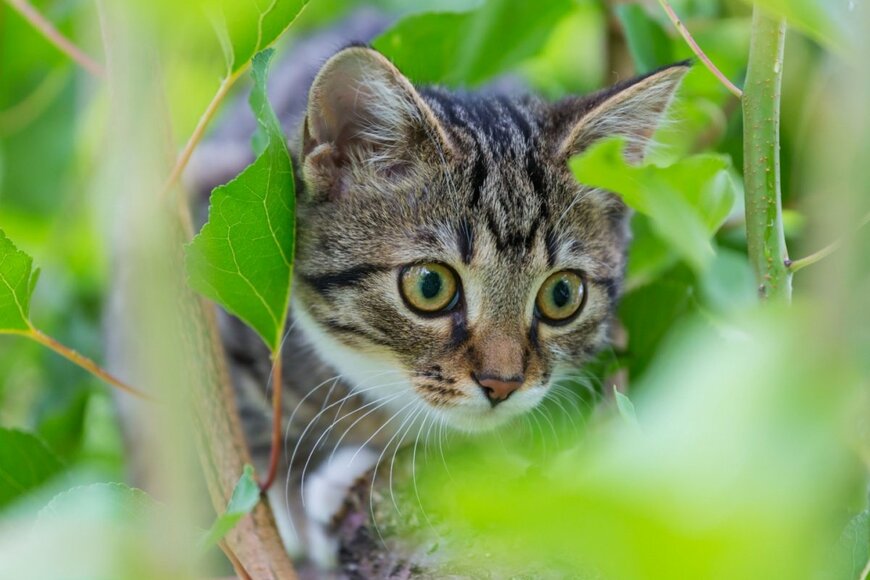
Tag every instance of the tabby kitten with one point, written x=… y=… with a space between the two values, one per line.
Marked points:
x=448 y=265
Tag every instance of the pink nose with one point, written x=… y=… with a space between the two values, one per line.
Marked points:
x=498 y=389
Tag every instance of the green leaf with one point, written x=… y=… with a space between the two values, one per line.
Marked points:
x=246 y=28
x=17 y=281
x=853 y=548
x=650 y=312
x=686 y=202
x=25 y=464
x=826 y=21
x=243 y=257
x=469 y=47
x=625 y=407
x=245 y=496
x=114 y=501
x=649 y=45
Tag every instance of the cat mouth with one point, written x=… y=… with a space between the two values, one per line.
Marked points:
x=479 y=416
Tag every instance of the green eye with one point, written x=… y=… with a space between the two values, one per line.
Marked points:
x=429 y=288
x=561 y=297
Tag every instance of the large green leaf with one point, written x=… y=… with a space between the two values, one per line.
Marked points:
x=113 y=501
x=246 y=28
x=245 y=496
x=826 y=21
x=686 y=202
x=243 y=256
x=469 y=47
x=17 y=281
x=25 y=464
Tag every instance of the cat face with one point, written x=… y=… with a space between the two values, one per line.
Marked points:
x=444 y=245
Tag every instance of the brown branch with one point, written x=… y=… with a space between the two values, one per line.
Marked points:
x=275 y=453
x=53 y=35
x=684 y=32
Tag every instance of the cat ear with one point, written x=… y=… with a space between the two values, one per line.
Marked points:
x=632 y=109
x=363 y=116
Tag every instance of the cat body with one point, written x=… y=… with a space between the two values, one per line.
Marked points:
x=448 y=267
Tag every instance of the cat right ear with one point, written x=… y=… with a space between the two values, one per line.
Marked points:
x=632 y=110
x=364 y=116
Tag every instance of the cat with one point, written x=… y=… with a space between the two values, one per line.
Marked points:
x=448 y=266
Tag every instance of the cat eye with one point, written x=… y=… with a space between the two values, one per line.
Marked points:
x=561 y=297
x=429 y=288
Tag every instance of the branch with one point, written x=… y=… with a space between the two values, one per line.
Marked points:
x=84 y=362
x=796 y=265
x=48 y=30
x=761 y=109
x=684 y=32
x=277 y=388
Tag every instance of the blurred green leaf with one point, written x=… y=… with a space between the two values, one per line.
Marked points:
x=245 y=496
x=625 y=407
x=649 y=312
x=243 y=256
x=25 y=464
x=246 y=28
x=469 y=47
x=648 y=255
x=853 y=549
x=724 y=481
x=115 y=501
x=62 y=427
x=686 y=201
x=17 y=281
x=729 y=284
x=826 y=21
x=649 y=45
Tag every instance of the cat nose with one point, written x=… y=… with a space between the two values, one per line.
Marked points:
x=498 y=389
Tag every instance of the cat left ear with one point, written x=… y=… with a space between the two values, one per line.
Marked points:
x=632 y=110
x=365 y=121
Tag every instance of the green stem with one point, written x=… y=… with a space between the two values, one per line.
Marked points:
x=761 y=106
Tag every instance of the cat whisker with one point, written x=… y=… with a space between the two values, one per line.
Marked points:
x=441 y=446
x=377 y=463
x=380 y=402
x=317 y=416
x=414 y=465
x=358 y=420
x=413 y=414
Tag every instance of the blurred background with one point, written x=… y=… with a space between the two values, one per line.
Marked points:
x=753 y=448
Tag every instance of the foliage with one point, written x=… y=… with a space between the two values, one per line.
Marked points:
x=245 y=496
x=243 y=256
x=17 y=450
x=18 y=282
x=740 y=449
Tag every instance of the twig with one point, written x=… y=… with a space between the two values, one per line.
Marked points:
x=761 y=111
x=48 y=30
x=234 y=560
x=796 y=265
x=198 y=132
x=83 y=362
x=684 y=32
x=275 y=453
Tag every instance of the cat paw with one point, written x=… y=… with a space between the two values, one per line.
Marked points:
x=325 y=493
